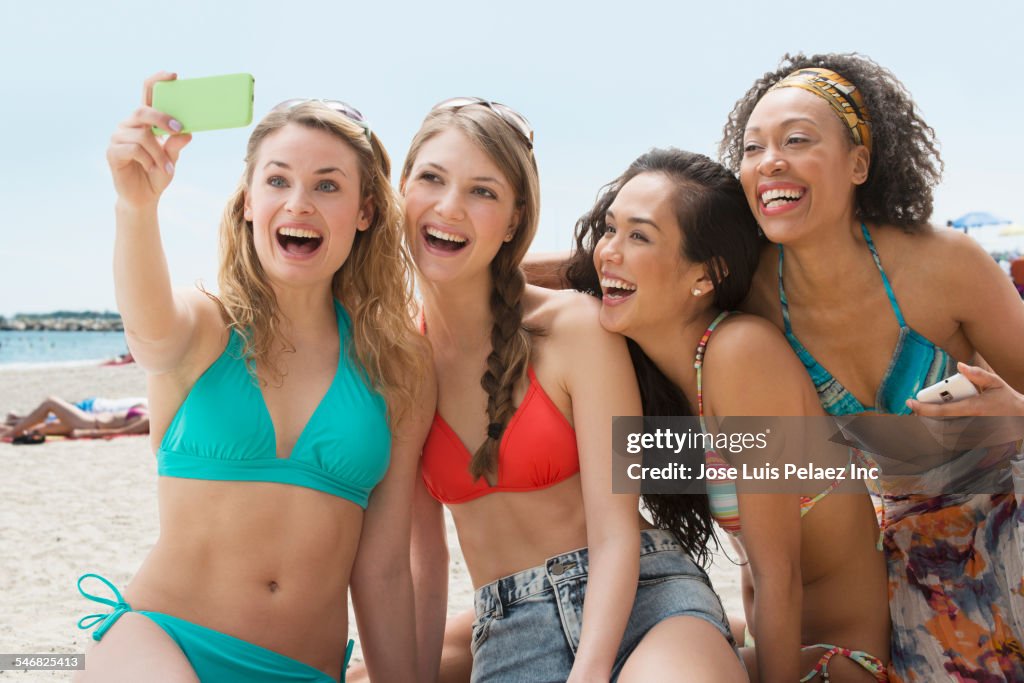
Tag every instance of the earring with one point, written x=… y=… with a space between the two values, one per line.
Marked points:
x=509 y=235
x=696 y=292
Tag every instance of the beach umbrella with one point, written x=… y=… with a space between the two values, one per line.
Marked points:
x=976 y=219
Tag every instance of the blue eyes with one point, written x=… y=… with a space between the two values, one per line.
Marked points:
x=322 y=186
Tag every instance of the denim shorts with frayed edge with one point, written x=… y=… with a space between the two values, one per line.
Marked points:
x=528 y=625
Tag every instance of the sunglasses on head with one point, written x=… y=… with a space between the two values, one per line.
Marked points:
x=343 y=108
x=503 y=111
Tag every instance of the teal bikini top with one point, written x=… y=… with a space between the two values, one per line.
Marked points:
x=916 y=362
x=223 y=431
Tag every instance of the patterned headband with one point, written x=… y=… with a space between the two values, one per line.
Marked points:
x=842 y=95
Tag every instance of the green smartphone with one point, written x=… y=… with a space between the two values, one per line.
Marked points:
x=209 y=103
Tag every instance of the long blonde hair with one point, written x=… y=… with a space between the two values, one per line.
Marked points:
x=510 y=339
x=374 y=284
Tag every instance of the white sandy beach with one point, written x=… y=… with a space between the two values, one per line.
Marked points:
x=70 y=507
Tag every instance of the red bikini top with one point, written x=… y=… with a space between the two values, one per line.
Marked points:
x=537 y=450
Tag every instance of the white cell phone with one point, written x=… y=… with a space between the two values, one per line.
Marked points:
x=953 y=388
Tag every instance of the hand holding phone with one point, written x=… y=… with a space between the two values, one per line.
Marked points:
x=996 y=397
x=210 y=103
x=142 y=165
x=953 y=388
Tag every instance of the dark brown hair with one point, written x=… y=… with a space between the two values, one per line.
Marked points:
x=719 y=231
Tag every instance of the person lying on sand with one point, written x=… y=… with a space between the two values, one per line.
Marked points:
x=91 y=418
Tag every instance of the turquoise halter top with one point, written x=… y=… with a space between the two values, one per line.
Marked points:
x=916 y=362
x=223 y=430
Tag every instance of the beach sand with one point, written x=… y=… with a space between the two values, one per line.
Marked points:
x=70 y=507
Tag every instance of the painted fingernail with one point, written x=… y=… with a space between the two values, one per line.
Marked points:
x=169 y=167
x=175 y=125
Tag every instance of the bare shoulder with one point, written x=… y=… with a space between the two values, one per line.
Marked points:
x=744 y=338
x=564 y=313
x=750 y=369
x=571 y=337
x=946 y=264
x=931 y=250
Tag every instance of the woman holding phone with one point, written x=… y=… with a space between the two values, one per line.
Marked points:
x=286 y=410
x=838 y=169
x=571 y=583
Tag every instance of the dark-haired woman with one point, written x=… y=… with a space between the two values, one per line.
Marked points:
x=570 y=583
x=838 y=168
x=671 y=248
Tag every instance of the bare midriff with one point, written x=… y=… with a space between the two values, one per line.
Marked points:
x=845 y=585
x=506 y=532
x=267 y=563
x=844 y=579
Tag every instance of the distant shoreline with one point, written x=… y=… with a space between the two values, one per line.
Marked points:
x=61 y=322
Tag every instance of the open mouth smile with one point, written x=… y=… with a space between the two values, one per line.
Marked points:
x=616 y=290
x=779 y=199
x=298 y=241
x=443 y=240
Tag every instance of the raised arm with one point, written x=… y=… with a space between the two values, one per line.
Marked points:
x=381 y=584
x=159 y=326
x=600 y=380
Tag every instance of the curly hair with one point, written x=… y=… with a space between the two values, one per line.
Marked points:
x=717 y=230
x=374 y=284
x=510 y=338
x=905 y=162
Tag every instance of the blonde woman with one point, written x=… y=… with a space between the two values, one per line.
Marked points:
x=570 y=583
x=285 y=412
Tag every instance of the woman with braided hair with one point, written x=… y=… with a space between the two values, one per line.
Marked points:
x=570 y=581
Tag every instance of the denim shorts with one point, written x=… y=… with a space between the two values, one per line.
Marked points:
x=527 y=625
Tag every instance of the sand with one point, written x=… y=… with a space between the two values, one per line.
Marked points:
x=69 y=507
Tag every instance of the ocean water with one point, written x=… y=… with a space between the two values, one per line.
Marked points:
x=32 y=348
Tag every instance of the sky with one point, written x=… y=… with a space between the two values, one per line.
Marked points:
x=601 y=82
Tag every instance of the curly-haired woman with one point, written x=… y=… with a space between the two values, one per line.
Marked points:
x=838 y=168
x=288 y=411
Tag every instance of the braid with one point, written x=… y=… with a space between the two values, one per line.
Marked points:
x=506 y=364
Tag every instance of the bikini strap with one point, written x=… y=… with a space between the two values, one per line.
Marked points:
x=698 y=363
x=782 y=299
x=867 y=661
x=878 y=263
x=104 y=621
x=885 y=278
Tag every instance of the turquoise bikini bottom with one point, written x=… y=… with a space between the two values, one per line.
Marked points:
x=214 y=656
